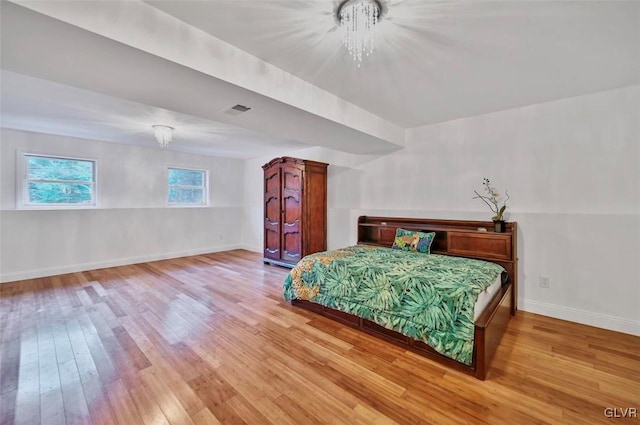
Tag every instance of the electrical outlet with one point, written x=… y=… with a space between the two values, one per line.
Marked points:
x=544 y=281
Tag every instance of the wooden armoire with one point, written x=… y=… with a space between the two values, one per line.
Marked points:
x=295 y=209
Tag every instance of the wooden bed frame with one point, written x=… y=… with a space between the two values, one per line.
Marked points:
x=453 y=237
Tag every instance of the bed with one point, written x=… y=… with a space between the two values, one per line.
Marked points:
x=452 y=305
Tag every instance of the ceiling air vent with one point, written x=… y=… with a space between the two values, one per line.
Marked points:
x=237 y=110
x=240 y=108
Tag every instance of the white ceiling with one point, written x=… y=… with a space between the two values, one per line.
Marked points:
x=434 y=61
x=438 y=60
x=33 y=104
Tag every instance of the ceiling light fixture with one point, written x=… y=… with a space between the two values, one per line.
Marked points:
x=359 y=18
x=164 y=134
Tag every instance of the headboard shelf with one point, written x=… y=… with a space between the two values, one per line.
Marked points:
x=453 y=237
x=431 y=228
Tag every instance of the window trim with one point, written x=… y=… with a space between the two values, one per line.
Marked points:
x=23 y=182
x=204 y=187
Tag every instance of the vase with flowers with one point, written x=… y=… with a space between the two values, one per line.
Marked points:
x=495 y=202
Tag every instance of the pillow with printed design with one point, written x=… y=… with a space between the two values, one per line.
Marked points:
x=414 y=241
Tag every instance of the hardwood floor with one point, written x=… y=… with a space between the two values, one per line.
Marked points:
x=208 y=339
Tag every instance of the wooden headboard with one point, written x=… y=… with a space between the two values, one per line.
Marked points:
x=459 y=238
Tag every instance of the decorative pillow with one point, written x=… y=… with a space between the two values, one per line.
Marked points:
x=408 y=240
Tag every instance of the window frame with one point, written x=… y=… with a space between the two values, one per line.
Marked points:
x=204 y=187
x=23 y=191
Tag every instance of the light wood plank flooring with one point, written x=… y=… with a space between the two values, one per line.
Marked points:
x=209 y=340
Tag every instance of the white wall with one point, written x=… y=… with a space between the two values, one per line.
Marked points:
x=572 y=168
x=132 y=222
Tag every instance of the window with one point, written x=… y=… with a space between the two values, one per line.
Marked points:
x=57 y=181
x=187 y=187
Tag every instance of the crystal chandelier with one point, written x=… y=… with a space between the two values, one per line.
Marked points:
x=163 y=134
x=359 y=18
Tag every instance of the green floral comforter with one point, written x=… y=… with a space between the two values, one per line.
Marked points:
x=427 y=297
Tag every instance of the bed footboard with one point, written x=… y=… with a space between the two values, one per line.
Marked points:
x=489 y=328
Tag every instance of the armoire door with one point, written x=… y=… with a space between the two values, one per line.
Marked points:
x=272 y=211
x=291 y=213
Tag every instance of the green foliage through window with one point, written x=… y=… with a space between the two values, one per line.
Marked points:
x=59 y=181
x=187 y=187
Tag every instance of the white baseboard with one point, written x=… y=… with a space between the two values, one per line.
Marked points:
x=584 y=317
x=53 y=271
x=251 y=248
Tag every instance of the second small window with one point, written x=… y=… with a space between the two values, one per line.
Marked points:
x=187 y=187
